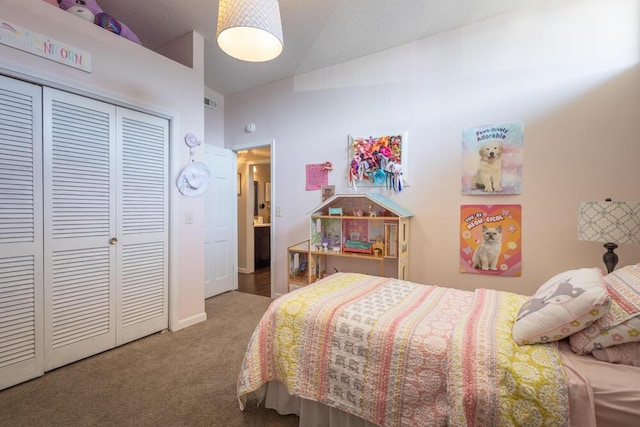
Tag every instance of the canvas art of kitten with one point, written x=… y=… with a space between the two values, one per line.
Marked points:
x=486 y=255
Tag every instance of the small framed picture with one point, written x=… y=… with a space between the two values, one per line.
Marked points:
x=328 y=191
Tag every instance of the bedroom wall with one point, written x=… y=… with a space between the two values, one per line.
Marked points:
x=133 y=76
x=568 y=70
x=214 y=119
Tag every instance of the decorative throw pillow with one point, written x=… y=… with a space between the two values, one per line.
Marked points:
x=565 y=304
x=622 y=323
x=624 y=354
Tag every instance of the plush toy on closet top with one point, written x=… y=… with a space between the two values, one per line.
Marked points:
x=91 y=11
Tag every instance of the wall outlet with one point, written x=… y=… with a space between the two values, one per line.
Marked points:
x=278 y=211
x=188 y=218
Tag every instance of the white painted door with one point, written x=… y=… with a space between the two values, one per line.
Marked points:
x=105 y=226
x=143 y=225
x=83 y=228
x=221 y=222
x=80 y=211
x=21 y=317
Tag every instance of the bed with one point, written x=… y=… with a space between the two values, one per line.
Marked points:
x=359 y=350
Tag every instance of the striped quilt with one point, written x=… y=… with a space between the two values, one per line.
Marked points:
x=397 y=353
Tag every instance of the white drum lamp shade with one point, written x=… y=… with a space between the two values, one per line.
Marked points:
x=250 y=30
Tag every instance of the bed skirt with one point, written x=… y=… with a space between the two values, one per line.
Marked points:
x=311 y=413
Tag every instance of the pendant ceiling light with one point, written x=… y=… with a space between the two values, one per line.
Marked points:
x=250 y=30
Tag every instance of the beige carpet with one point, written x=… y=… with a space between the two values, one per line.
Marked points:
x=183 y=378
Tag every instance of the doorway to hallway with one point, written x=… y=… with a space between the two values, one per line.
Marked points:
x=255 y=224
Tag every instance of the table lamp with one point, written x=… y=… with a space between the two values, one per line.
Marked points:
x=609 y=222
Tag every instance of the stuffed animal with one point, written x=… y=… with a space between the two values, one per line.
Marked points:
x=101 y=18
x=82 y=12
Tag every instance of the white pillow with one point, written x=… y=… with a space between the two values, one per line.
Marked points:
x=565 y=304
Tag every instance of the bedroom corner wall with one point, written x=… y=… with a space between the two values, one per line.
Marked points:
x=127 y=74
x=569 y=71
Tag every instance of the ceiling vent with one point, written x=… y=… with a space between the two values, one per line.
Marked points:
x=210 y=103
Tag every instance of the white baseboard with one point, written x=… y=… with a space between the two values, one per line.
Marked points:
x=190 y=321
x=244 y=271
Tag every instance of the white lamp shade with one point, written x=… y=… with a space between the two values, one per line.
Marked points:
x=250 y=30
x=609 y=222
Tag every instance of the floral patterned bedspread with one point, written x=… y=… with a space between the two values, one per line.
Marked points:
x=397 y=353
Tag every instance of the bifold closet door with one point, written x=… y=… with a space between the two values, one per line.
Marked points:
x=80 y=274
x=142 y=249
x=106 y=226
x=21 y=323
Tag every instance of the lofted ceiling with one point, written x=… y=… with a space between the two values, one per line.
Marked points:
x=317 y=33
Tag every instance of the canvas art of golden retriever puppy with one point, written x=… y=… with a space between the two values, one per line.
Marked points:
x=489 y=172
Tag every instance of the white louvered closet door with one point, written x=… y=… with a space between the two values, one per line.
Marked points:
x=80 y=219
x=142 y=306
x=21 y=332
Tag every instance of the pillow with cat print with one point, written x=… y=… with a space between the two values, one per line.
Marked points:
x=565 y=304
x=622 y=323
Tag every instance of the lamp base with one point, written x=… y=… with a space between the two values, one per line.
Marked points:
x=610 y=258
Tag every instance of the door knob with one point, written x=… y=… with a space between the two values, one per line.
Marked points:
x=113 y=241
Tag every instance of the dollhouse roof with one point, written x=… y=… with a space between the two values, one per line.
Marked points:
x=340 y=200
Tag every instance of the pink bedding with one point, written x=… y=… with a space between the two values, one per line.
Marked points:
x=602 y=393
x=396 y=353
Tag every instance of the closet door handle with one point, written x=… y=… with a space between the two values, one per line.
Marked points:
x=113 y=241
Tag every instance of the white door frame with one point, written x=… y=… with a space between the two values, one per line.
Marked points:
x=271 y=143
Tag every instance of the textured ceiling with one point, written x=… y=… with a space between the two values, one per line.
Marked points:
x=317 y=33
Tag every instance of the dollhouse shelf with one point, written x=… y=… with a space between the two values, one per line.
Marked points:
x=354 y=227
